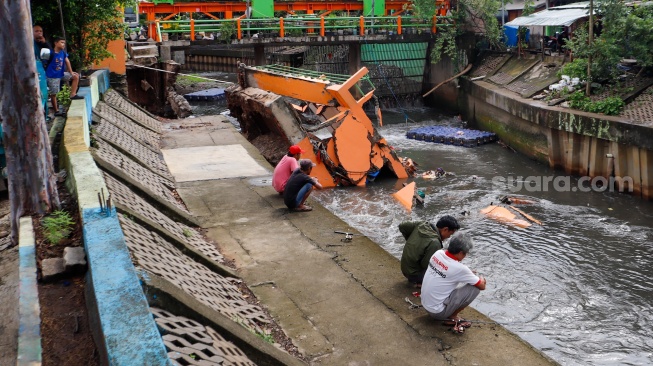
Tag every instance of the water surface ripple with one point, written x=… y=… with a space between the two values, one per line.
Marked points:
x=578 y=288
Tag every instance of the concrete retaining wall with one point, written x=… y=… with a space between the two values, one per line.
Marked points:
x=123 y=328
x=580 y=143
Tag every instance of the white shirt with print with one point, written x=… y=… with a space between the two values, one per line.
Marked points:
x=444 y=274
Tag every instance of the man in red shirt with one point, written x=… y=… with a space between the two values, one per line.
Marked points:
x=287 y=165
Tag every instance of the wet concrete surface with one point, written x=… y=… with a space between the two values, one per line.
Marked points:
x=340 y=303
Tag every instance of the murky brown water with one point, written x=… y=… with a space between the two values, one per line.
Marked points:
x=579 y=288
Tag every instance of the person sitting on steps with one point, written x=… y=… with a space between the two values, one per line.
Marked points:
x=56 y=72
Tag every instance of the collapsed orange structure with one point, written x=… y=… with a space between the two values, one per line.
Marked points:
x=324 y=118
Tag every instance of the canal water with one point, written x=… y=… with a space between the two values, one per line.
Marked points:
x=578 y=287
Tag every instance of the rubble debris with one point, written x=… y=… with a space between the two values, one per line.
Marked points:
x=405 y=196
x=322 y=116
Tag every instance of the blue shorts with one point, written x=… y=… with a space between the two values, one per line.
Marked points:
x=302 y=193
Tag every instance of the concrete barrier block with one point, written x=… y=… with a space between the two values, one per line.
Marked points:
x=75 y=138
x=74 y=259
x=150 y=50
x=85 y=179
x=51 y=268
x=125 y=333
x=144 y=60
x=29 y=312
x=78 y=108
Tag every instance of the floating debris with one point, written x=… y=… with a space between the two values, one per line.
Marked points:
x=452 y=136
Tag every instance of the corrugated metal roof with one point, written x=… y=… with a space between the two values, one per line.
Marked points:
x=519 y=4
x=564 y=16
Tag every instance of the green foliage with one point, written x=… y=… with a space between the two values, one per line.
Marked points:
x=466 y=17
x=187 y=232
x=575 y=69
x=186 y=80
x=227 y=31
x=63 y=97
x=57 y=226
x=266 y=335
x=626 y=32
x=89 y=26
x=611 y=106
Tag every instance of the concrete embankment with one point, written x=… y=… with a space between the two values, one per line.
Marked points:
x=340 y=303
x=580 y=143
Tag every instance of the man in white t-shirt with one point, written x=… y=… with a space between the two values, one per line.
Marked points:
x=442 y=296
x=288 y=164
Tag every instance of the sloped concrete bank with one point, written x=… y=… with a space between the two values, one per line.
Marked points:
x=122 y=325
x=126 y=258
x=580 y=143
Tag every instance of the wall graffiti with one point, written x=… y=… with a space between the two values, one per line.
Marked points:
x=585 y=126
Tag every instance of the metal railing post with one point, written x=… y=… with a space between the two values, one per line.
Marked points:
x=158 y=31
x=281 y=30
x=322 y=26
x=192 y=29
x=434 y=29
x=362 y=25
x=238 y=28
x=399 y=24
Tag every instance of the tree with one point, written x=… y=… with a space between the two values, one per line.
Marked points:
x=90 y=26
x=625 y=32
x=476 y=16
x=32 y=184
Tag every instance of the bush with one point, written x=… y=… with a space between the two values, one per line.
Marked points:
x=611 y=106
x=57 y=226
x=63 y=97
x=575 y=69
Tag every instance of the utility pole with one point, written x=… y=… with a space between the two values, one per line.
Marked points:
x=588 y=84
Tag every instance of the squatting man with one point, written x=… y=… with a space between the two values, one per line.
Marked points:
x=442 y=296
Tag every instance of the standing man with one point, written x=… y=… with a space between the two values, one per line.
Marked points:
x=441 y=295
x=422 y=240
x=56 y=72
x=287 y=165
x=300 y=186
x=40 y=43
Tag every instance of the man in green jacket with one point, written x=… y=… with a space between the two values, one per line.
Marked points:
x=422 y=240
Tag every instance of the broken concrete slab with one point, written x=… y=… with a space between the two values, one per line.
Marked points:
x=51 y=268
x=74 y=259
x=211 y=162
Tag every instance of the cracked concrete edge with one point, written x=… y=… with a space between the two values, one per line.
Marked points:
x=351 y=258
x=29 y=318
x=311 y=343
x=304 y=334
x=162 y=294
x=99 y=118
x=133 y=157
x=185 y=217
x=135 y=106
x=185 y=248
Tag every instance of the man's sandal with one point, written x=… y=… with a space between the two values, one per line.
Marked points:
x=459 y=325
